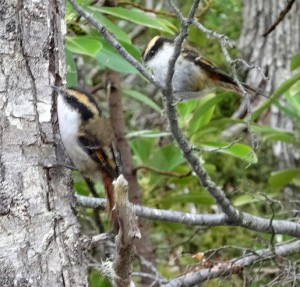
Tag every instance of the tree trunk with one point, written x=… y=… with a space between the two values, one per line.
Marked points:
x=39 y=237
x=273 y=54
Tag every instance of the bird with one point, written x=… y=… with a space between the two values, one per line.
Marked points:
x=88 y=138
x=194 y=75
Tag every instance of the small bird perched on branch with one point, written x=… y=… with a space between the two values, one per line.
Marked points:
x=88 y=138
x=193 y=74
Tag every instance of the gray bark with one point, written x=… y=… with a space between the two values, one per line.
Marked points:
x=272 y=53
x=39 y=234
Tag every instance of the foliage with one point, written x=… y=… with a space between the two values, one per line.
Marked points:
x=202 y=120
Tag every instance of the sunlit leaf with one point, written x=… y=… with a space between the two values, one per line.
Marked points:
x=142 y=98
x=111 y=59
x=281 y=178
x=295 y=62
x=204 y=112
x=135 y=17
x=147 y=134
x=274 y=133
x=186 y=107
x=97 y=280
x=294 y=99
x=142 y=148
x=72 y=78
x=198 y=198
x=245 y=199
x=238 y=150
x=83 y=45
x=276 y=94
x=167 y=157
x=111 y=27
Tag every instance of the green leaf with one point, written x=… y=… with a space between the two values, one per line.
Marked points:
x=293 y=99
x=142 y=98
x=81 y=187
x=199 y=198
x=276 y=94
x=246 y=199
x=71 y=13
x=167 y=158
x=238 y=150
x=286 y=85
x=292 y=113
x=143 y=148
x=207 y=103
x=185 y=108
x=147 y=134
x=111 y=27
x=83 y=45
x=72 y=79
x=274 y=133
x=168 y=24
x=135 y=17
x=97 y=280
x=109 y=58
x=280 y=178
x=295 y=62
x=204 y=112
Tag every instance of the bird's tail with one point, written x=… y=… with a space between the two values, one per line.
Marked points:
x=233 y=87
x=107 y=180
x=229 y=84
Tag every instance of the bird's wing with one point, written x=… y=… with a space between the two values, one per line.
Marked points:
x=213 y=72
x=105 y=156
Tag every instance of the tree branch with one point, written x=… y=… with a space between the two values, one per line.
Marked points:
x=114 y=42
x=248 y=221
x=219 y=195
x=225 y=268
x=120 y=269
x=280 y=17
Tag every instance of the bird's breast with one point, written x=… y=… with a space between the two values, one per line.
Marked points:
x=69 y=123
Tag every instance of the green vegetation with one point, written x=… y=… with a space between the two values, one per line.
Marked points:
x=248 y=176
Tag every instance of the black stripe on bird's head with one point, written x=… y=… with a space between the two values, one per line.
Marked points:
x=153 y=47
x=82 y=101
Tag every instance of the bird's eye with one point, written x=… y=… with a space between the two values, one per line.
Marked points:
x=70 y=99
x=151 y=53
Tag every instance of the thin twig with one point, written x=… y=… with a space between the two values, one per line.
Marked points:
x=232 y=213
x=114 y=42
x=161 y=172
x=280 y=17
x=235 y=265
x=228 y=146
x=140 y=7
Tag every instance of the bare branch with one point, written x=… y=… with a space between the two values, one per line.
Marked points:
x=247 y=220
x=98 y=239
x=119 y=270
x=280 y=17
x=235 y=265
x=171 y=114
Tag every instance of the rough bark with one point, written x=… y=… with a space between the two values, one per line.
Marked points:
x=39 y=235
x=272 y=53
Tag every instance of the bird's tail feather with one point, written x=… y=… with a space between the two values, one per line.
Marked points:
x=107 y=180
